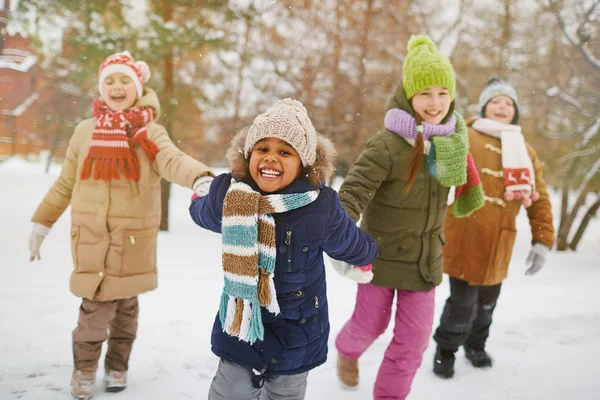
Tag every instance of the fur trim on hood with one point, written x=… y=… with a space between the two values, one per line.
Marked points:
x=319 y=173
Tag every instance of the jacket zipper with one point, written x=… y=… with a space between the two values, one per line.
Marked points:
x=288 y=250
x=317 y=313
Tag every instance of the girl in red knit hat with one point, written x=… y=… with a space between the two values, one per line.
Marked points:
x=111 y=179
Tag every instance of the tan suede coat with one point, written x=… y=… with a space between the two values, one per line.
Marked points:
x=115 y=223
x=479 y=247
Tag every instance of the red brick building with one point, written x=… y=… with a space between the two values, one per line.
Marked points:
x=23 y=92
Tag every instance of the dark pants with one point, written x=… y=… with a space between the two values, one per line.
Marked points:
x=467 y=316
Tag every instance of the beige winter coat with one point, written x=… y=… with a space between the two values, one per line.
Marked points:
x=115 y=223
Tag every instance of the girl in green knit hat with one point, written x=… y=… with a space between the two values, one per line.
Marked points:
x=400 y=186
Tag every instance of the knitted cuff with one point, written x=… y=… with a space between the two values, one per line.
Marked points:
x=40 y=229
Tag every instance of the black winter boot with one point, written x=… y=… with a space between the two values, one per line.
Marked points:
x=443 y=363
x=478 y=357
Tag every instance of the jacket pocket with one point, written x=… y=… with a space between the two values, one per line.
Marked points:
x=74 y=244
x=402 y=246
x=506 y=241
x=295 y=249
x=308 y=327
x=139 y=252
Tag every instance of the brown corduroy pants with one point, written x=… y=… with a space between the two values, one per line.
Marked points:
x=116 y=321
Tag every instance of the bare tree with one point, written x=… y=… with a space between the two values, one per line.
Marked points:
x=582 y=166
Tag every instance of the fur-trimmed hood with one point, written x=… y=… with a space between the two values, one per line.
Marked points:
x=317 y=174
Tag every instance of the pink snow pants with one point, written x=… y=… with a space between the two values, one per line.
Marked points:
x=412 y=330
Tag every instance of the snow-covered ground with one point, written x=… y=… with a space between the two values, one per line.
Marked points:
x=545 y=338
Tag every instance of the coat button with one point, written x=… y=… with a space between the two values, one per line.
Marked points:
x=273 y=360
x=305 y=249
x=425 y=234
x=427 y=276
x=400 y=249
x=299 y=293
x=73 y=234
x=100 y=273
x=302 y=321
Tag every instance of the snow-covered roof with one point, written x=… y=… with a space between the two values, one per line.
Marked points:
x=21 y=107
x=18 y=60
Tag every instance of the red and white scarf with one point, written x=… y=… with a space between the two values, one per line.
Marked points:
x=519 y=175
x=115 y=134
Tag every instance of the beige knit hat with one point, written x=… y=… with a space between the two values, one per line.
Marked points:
x=286 y=120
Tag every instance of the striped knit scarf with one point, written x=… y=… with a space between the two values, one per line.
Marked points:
x=448 y=157
x=115 y=133
x=249 y=254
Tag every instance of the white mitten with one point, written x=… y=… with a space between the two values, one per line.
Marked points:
x=36 y=237
x=202 y=185
x=357 y=274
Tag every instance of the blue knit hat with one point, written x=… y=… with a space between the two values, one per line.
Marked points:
x=498 y=87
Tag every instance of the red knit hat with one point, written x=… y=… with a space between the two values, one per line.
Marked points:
x=138 y=71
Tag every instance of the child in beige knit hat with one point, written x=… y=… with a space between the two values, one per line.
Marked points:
x=277 y=218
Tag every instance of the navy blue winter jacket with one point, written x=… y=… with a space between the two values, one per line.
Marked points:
x=295 y=341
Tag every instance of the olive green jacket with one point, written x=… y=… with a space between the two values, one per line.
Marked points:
x=406 y=225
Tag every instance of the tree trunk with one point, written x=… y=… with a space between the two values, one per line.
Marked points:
x=562 y=236
x=591 y=212
x=506 y=36
x=359 y=96
x=244 y=57
x=165 y=186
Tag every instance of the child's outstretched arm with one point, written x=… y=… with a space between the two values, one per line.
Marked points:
x=344 y=240
x=174 y=165
x=540 y=212
x=58 y=197
x=372 y=167
x=207 y=211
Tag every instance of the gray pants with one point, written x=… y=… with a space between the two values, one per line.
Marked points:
x=233 y=382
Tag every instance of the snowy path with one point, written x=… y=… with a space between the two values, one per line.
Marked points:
x=545 y=338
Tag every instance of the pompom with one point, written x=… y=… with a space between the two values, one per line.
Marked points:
x=518 y=195
x=509 y=196
x=144 y=70
x=526 y=202
x=493 y=79
x=293 y=103
x=420 y=40
x=535 y=195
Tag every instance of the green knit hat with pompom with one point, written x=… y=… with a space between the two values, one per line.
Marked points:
x=426 y=67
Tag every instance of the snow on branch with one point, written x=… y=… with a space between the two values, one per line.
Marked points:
x=576 y=154
x=580 y=45
x=588 y=177
x=556 y=91
x=591 y=132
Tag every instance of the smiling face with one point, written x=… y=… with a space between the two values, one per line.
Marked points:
x=118 y=91
x=432 y=104
x=274 y=164
x=501 y=109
